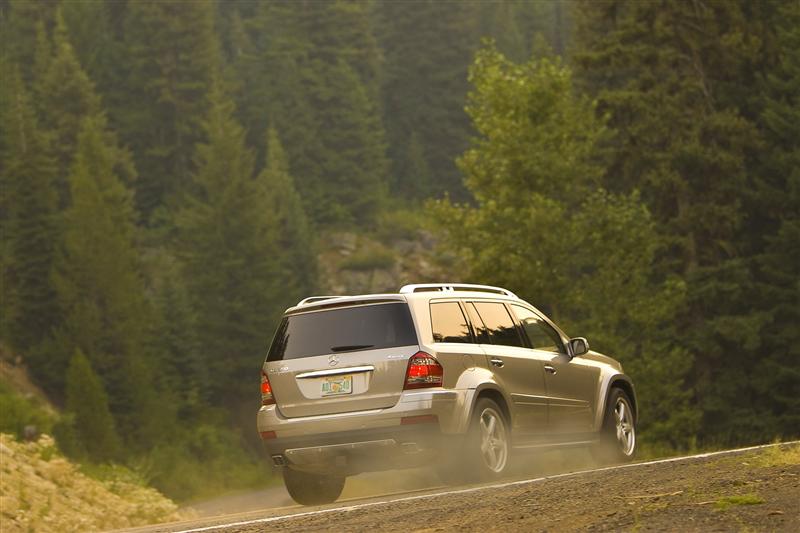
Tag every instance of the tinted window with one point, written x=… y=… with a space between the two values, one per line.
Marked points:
x=343 y=330
x=448 y=323
x=498 y=323
x=540 y=334
x=478 y=327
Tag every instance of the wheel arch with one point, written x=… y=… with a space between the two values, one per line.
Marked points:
x=492 y=392
x=624 y=383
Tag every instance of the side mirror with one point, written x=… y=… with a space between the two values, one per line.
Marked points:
x=579 y=346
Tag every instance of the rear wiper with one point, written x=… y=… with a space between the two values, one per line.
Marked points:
x=351 y=347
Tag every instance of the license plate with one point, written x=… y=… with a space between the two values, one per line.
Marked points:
x=335 y=386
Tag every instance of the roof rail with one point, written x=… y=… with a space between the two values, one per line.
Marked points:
x=433 y=287
x=312 y=299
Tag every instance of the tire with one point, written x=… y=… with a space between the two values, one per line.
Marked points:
x=486 y=449
x=312 y=489
x=617 y=443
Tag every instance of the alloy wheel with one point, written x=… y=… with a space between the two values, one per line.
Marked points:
x=626 y=433
x=494 y=440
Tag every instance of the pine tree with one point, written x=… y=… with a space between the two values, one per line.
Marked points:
x=428 y=48
x=323 y=102
x=353 y=187
x=22 y=23
x=416 y=173
x=671 y=76
x=29 y=225
x=172 y=55
x=227 y=237
x=96 y=40
x=64 y=95
x=173 y=336
x=87 y=403
x=298 y=261
x=100 y=290
x=778 y=385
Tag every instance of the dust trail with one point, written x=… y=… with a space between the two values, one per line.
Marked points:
x=390 y=481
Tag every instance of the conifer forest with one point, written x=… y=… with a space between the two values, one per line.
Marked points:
x=170 y=171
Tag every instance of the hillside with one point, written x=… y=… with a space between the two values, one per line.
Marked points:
x=42 y=491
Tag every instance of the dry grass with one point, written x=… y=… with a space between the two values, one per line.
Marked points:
x=42 y=491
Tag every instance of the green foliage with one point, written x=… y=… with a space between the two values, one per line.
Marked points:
x=100 y=290
x=778 y=387
x=22 y=24
x=650 y=202
x=368 y=260
x=398 y=223
x=18 y=411
x=29 y=226
x=87 y=402
x=64 y=95
x=324 y=104
x=227 y=242
x=172 y=55
x=726 y=502
x=298 y=261
x=673 y=79
x=427 y=49
x=544 y=228
x=202 y=461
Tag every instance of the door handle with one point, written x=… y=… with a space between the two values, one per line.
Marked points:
x=549 y=369
x=497 y=362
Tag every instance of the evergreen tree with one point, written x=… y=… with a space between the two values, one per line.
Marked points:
x=353 y=185
x=323 y=102
x=544 y=227
x=428 y=46
x=778 y=385
x=87 y=403
x=670 y=76
x=22 y=23
x=29 y=221
x=172 y=55
x=173 y=336
x=298 y=262
x=96 y=40
x=228 y=245
x=100 y=290
x=416 y=173
x=64 y=95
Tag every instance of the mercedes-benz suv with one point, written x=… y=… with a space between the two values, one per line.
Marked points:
x=454 y=376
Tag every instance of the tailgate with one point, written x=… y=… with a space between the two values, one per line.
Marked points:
x=343 y=359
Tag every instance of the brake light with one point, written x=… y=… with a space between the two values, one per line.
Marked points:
x=423 y=371
x=266 y=390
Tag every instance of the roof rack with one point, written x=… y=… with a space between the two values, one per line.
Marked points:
x=312 y=299
x=448 y=287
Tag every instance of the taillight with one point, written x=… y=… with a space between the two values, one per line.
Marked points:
x=423 y=371
x=266 y=390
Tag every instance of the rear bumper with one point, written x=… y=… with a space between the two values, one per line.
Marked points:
x=368 y=440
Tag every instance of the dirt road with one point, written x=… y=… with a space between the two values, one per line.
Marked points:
x=753 y=490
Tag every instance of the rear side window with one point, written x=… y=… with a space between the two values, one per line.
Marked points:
x=448 y=323
x=481 y=333
x=498 y=323
x=350 y=329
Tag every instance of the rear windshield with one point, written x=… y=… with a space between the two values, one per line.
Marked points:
x=368 y=327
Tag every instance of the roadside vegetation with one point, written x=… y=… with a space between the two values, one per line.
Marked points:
x=175 y=174
x=43 y=491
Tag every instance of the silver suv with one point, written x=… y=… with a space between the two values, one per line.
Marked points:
x=455 y=376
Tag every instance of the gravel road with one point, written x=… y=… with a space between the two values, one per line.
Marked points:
x=755 y=490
